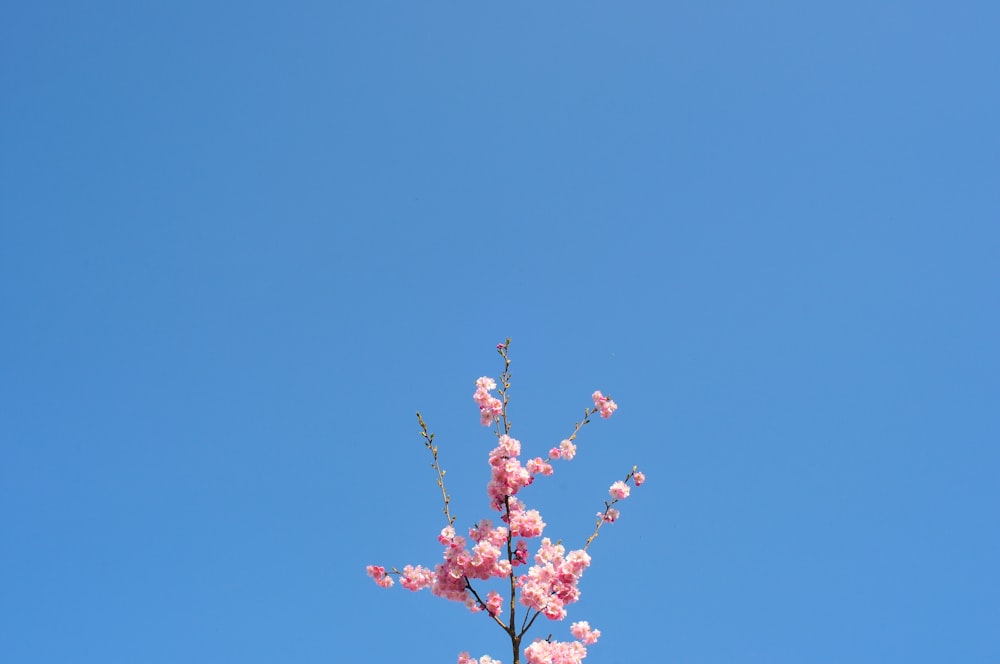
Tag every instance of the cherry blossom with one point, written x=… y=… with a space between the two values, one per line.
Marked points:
x=604 y=404
x=378 y=573
x=463 y=658
x=549 y=581
x=619 y=490
x=581 y=630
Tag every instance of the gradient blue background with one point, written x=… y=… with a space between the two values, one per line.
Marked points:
x=241 y=243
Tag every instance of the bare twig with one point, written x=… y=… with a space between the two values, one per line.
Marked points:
x=429 y=442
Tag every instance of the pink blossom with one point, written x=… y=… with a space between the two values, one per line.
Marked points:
x=556 y=652
x=378 y=574
x=611 y=515
x=526 y=523
x=520 y=553
x=484 y=561
x=506 y=447
x=463 y=658
x=416 y=578
x=449 y=582
x=551 y=583
x=619 y=490
x=489 y=406
x=484 y=530
x=538 y=466
x=604 y=404
x=582 y=631
x=494 y=602
x=576 y=561
x=640 y=478
x=508 y=475
x=568 y=449
x=547 y=551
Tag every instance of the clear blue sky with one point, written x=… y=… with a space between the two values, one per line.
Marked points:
x=241 y=243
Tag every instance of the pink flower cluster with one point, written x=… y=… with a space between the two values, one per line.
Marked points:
x=484 y=561
x=450 y=578
x=566 y=450
x=463 y=658
x=619 y=490
x=582 y=631
x=378 y=573
x=555 y=652
x=551 y=583
x=490 y=407
x=522 y=522
x=415 y=578
x=604 y=404
x=494 y=601
x=539 y=466
x=508 y=476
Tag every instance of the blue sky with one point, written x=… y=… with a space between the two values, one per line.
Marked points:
x=241 y=243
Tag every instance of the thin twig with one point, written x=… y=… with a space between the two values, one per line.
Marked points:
x=601 y=519
x=429 y=443
x=503 y=349
x=469 y=587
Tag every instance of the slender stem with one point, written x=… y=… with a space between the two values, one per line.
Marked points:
x=601 y=519
x=504 y=424
x=468 y=586
x=587 y=412
x=429 y=443
x=503 y=349
x=510 y=559
x=530 y=622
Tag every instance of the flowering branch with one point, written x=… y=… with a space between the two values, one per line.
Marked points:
x=552 y=582
x=618 y=491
